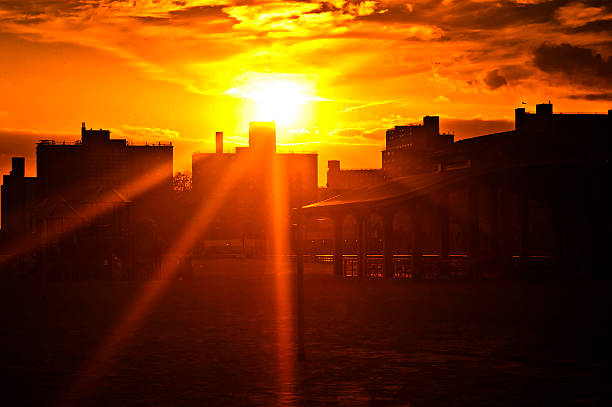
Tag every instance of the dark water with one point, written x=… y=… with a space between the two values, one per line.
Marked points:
x=227 y=338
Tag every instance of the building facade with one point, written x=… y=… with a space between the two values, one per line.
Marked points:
x=76 y=218
x=409 y=150
x=342 y=180
x=253 y=184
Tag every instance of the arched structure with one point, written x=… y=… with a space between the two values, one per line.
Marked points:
x=469 y=221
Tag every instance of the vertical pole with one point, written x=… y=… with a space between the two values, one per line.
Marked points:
x=494 y=256
x=524 y=223
x=300 y=286
x=558 y=237
x=506 y=231
x=416 y=218
x=363 y=251
x=388 y=246
x=339 y=246
x=44 y=254
x=473 y=230
x=444 y=233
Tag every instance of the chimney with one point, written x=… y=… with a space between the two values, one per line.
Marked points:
x=219 y=142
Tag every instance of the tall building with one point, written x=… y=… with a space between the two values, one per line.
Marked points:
x=252 y=184
x=97 y=160
x=262 y=137
x=409 y=149
x=76 y=216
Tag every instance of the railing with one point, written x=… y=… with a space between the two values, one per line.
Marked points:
x=430 y=266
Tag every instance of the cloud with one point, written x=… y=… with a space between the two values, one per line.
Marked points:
x=365 y=106
x=495 y=80
x=576 y=64
x=607 y=96
x=143 y=134
x=579 y=14
x=357 y=137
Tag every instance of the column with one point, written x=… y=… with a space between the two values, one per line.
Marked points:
x=524 y=226
x=505 y=240
x=338 y=246
x=363 y=250
x=444 y=222
x=494 y=252
x=416 y=217
x=558 y=223
x=473 y=228
x=388 y=246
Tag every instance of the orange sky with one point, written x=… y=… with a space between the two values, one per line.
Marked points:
x=180 y=70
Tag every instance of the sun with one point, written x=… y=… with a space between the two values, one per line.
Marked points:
x=279 y=100
x=276 y=99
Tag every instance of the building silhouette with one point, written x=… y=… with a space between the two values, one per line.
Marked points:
x=97 y=160
x=537 y=137
x=411 y=149
x=529 y=200
x=102 y=208
x=77 y=216
x=249 y=182
x=19 y=194
x=342 y=180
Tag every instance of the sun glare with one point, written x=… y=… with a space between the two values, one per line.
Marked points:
x=275 y=99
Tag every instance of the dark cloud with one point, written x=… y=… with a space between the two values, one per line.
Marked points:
x=466 y=128
x=514 y=73
x=607 y=96
x=198 y=12
x=601 y=26
x=467 y=14
x=45 y=9
x=324 y=7
x=494 y=80
x=577 y=64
